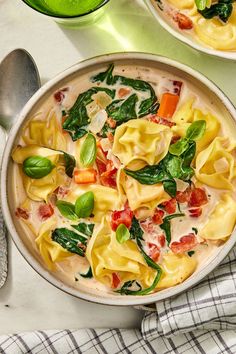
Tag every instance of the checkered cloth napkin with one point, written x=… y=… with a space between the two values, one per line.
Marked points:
x=201 y=320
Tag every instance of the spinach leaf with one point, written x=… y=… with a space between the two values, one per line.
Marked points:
x=223 y=9
x=149 y=174
x=170 y=187
x=196 y=130
x=69 y=240
x=78 y=119
x=88 y=151
x=84 y=228
x=125 y=289
x=195 y=230
x=37 y=167
x=69 y=164
x=179 y=147
x=67 y=210
x=89 y=274
x=84 y=205
x=123 y=110
x=135 y=230
x=122 y=233
x=191 y=253
x=166 y=226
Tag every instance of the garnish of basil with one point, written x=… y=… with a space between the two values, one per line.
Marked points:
x=201 y=4
x=37 y=167
x=122 y=233
x=196 y=130
x=69 y=164
x=88 y=151
x=84 y=205
x=67 y=210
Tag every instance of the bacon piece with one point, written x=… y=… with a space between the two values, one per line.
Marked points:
x=111 y=122
x=158 y=216
x=186 y=243
x=22 y=213
x=121 y=217
x=61 y=192
x=183 y=21
x=162 y=240
x=195 y=213
x=154 y=252
x=177 y=87
x=147 y=226
x=197 y=198
x=183 y=197
x=60 y=95
x=170 y=206
x=159 y=120
x=45 y=211
x=115 y=281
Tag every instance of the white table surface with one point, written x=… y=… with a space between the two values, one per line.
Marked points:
x=27 y=301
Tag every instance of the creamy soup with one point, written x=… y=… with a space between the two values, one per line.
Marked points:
x=124 y=180
x=213 y=23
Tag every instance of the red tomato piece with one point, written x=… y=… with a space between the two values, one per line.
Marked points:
x=186 y=243
x=162 y=240
x=196 y=212
x=154 y=252
x=115 y=281
x=184 y=22
x=101 y=166
x=158 y=216
x=108 y=178
x=45 y=211
x=197 y=198
x=121 y=217
x=22 y=213
x=170 y=206
x=183 y=197
x=147 y=226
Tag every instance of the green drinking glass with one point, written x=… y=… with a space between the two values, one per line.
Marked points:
x=69 y=12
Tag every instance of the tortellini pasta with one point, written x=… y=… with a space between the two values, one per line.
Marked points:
x=140 y=142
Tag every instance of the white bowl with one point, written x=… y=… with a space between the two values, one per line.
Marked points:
x=148 y=60
x=185 y=38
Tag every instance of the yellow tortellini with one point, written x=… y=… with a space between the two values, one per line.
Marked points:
x=140 y=142
x=176 y=268
x=50 y=251
x=215 y=166
x=186 y=115
x=40 y=189
x=106 y=199
x=45 y=132
x=107 y=256
x=222 y=219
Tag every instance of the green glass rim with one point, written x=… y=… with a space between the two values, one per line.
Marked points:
x=67 y=17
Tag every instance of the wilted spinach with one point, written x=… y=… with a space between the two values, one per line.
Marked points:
x=166 y=226
x=223 y=9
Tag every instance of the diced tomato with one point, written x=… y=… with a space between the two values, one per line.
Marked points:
x=158 y=216
x=184 y=22
x=170 y=206
x=85 y=176
x=162 y=240
x=195 y=213
x=121 y=217
x=197 y=198
x=45 y=211
x=177 y=87
x=60 y=95
x=174 y=139
x=154 y=252
x=159 y=120
x=123 y=91
x=186 y=243
x=101 y=166
x=183 y=197
x=22 y=213
x=111 y=122
x=108 y=178
x=115 y=281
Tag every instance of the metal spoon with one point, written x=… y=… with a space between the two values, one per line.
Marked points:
x=19 y=80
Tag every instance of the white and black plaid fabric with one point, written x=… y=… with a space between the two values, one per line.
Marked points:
x=202 y=320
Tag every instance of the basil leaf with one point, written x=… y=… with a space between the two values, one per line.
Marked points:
x=122 y=233
x=166 y=226
x=67 y=210
x=84 y=205
x=88 y=151
x=37 y=167
x=69 y=240
x=179 y=147
x=196 y=130
x=69 y=164
x=201 y=4
x=89 y=274
x=174 y=166
x=135 y=230
x=189 y=154
x=170 y=187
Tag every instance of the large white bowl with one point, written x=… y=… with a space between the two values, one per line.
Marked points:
x=185 y=38
x=22 y=243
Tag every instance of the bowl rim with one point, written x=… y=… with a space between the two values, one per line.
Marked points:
x=230 y=55
x=67 y=17
x=119 y=300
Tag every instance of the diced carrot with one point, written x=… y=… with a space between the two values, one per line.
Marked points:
x=123 y=92
x=85 y=176
x=168 y=105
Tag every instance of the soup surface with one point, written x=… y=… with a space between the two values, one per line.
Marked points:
x=124 y=180
x=213 y=23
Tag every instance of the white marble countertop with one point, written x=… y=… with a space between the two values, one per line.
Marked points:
x=27 y=301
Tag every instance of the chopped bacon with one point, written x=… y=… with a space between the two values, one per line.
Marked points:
x=111 y=122
x=123 y=91
x=121 y=217
x=195 y=213
x=147 y=226
x=110 y=137
x=183 y=197
x=197 y=198
x=162 y=240
x=177 y=87
x=115 y=281
x=108 y=178
x=158 y=120
x=82 y=246
x=22 y=213
x=101 y=166
x=60 y=95
x=174 y=139
x=154 y=252
x=61 y=192
x=170 y=206
x=186 y=243
x=45 y=211
x=183 y=21
x=158 y=216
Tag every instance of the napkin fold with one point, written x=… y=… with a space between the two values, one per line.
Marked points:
x=201 y=320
